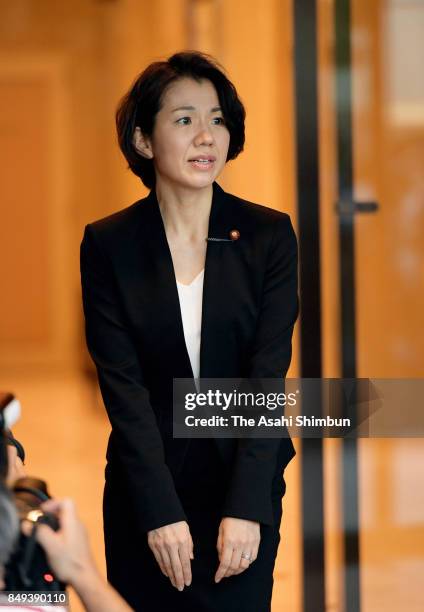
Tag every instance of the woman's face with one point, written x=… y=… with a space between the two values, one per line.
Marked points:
x=190 y=141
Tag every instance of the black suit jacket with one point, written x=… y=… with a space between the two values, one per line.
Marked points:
x=135 y=337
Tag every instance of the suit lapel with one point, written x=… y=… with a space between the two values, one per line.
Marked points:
x=162 y=302
x=214 y=299
x=163 y=314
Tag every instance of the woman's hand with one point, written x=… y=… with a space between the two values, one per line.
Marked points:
x=172 y=546
x=236 y=537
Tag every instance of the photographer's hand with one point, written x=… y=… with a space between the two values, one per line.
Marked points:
x=69 y=555
x=172 y=546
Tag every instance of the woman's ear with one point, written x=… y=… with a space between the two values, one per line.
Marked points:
x=142 y=144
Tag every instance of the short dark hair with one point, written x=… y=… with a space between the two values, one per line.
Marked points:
x=140 y=105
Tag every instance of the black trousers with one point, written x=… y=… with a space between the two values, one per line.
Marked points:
x=133 y=570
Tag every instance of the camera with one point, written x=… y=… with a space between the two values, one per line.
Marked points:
x=27 y=569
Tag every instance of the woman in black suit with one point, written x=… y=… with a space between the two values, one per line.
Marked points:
x=193 y=524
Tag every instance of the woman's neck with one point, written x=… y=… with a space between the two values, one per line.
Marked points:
x=185 y=212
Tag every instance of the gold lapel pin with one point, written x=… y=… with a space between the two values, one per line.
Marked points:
x=234 y=235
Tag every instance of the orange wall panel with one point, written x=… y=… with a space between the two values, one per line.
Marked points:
x=25 y=225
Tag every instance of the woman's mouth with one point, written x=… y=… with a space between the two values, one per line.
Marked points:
x=202 y=162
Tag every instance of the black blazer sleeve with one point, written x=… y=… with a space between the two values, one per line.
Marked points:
x=249 y=493
x=135 y=431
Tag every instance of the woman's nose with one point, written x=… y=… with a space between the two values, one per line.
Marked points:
x=203 y=136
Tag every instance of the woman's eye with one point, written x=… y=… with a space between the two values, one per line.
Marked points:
x=218 y=120
x=184 y=121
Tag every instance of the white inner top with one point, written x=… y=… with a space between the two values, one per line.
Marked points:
x=191 y=313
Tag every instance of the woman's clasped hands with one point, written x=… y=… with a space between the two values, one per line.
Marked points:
x=172 y=545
